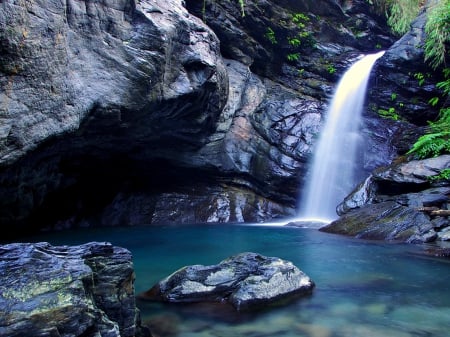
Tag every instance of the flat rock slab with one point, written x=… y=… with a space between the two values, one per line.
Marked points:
x=247 y=280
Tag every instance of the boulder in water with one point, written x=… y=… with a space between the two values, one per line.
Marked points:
x=247 y=280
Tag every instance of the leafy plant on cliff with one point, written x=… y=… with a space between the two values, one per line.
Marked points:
x=301 y=37
x=431 y=145
x=443 y=175
x=389 y=114
x=438 y=33
x=270 y=35
x=400 y=14
x=437 y=140
x=298 y=37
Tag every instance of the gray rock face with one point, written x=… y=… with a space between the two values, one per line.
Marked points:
x=103 y=64
x=85 y=290
x=384 y=221
x=414 y=171
x=246 y=280
x=168 y=108
x=112 y=79
x=397 y=203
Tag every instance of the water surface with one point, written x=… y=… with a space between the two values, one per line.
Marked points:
x=363 y=288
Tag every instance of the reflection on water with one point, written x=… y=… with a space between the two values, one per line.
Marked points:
x=362 y=288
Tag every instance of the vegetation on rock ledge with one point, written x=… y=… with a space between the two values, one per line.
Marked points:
x=400 y=13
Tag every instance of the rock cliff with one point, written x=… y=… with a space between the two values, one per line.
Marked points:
x=138 y=112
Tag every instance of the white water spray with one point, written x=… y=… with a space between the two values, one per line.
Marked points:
x=331 y=176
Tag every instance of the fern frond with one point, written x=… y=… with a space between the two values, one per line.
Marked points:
x=431 y=145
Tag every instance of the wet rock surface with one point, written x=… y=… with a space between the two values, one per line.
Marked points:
x=85 y=290
x=399 y=202
x=246 y=281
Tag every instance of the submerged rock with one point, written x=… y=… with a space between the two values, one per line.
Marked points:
x=247 y=280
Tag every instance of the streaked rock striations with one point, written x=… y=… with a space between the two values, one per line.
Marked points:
x=85 y=290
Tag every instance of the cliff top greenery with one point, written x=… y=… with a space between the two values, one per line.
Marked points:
x=400 y=14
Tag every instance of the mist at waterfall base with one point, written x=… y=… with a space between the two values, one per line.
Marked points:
x=331 y=176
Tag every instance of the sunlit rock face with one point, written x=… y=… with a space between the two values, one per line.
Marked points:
x=139 y=112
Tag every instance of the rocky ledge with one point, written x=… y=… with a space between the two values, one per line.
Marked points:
x=246 y=281
x=401 y=202
x=85 y=290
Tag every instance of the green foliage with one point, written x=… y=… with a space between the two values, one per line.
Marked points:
x=331 y=69
x=270 y=34
x=419 y=77
x=433 y=101
x=294 y=42
x=438 y=33
x=293 y=57
x=389 y=114
x=299 y=37
x=299 y=19
x=443 y=175
x=437 y=141
x=302 y=36
x=401 y=13
x=445 y=85
x=443 y=122
x=431 y=145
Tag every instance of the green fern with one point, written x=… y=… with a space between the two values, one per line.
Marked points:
x=293 y=57
x=442 y=175
x=431 y=145
x=401 y=13
x=438 y=33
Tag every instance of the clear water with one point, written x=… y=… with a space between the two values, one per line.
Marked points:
x=332 y=172
x=363 y=288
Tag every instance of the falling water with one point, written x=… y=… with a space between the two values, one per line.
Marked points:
x=331 y=176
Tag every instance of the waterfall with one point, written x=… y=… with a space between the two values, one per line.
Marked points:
x=331 y=175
